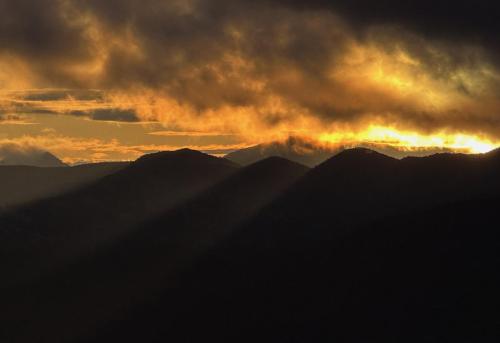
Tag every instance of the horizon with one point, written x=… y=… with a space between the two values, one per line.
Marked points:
x=332 y=151
x=102 y=81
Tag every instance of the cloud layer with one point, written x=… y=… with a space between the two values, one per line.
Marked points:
x=258 y=69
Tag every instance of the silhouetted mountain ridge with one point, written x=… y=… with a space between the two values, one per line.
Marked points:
x=139 y=265
x=28 y=157
x=328 y=261
x=108 y=208
x=362 y=248
x=312 y=153
x=26 y=184
x=294 y=148
x=356 y=160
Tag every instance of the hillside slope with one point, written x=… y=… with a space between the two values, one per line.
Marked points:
x=364 y=248
x=41 y=237
x=24 y=184
x=135 y=268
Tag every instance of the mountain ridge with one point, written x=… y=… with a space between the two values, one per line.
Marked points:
x=105 y=209
x=278 y=251
x=155 y=251
x=29 y=157
x=22 y=185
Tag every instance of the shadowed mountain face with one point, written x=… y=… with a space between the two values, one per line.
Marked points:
x=29 y=157
x=429 y=276
x=24 y=184
x=39 y=237
x=139 y=265
x=362 y=248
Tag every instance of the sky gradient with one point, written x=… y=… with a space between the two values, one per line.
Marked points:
x=94 y=80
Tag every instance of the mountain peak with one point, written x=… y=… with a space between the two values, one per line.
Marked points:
x=295 y=149
x=359 y=155
x=360 y=151
x=181 y=163
x=356 y=161
x=182 y=156
x=169 y=154
x=11 y=156
x=277 y=163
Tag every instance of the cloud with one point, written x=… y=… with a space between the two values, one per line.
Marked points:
x=108 y=114
x=78 y=150
x=188 y=134
x=59 y=95
x=25 y=154
x=261 y=68
x=443 y=19
x=90 y=104
x=14 y=119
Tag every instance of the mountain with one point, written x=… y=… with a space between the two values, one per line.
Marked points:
x=15 y=156
x=426 y=276
x=26 y=184
x=363 y=248
x=312 y=153
x=294 y=149
x=53 y=232
x=136 y=267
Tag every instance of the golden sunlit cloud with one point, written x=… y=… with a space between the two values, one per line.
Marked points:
x=408 y=141
x=188 y=134
x=78 y=150
x=256 y=73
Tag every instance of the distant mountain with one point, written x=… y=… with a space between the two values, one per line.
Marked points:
x=15 y=156
x=149 y=259
x=53 y=232
x=312 y=153
x=294 y=149
x=25 y=184
x=362 y=248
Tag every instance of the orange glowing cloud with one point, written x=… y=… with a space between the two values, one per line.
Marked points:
x=259 y=73
x=76 y=150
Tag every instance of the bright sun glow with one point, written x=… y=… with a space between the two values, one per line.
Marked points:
x=406 y=140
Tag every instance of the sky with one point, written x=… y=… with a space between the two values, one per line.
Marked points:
x=96 y=80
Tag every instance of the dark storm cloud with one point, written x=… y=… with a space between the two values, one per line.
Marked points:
x=467 y=31
x=187 y=46
x=46 y=34
x=39 y=29
x=476 y=20
x=174 y=34
x=211 y=54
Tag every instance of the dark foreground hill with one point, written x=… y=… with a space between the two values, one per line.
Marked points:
x=24 y=184
x=427 y=277
x=137 y=267
x=363 y=249
x=40 y=237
